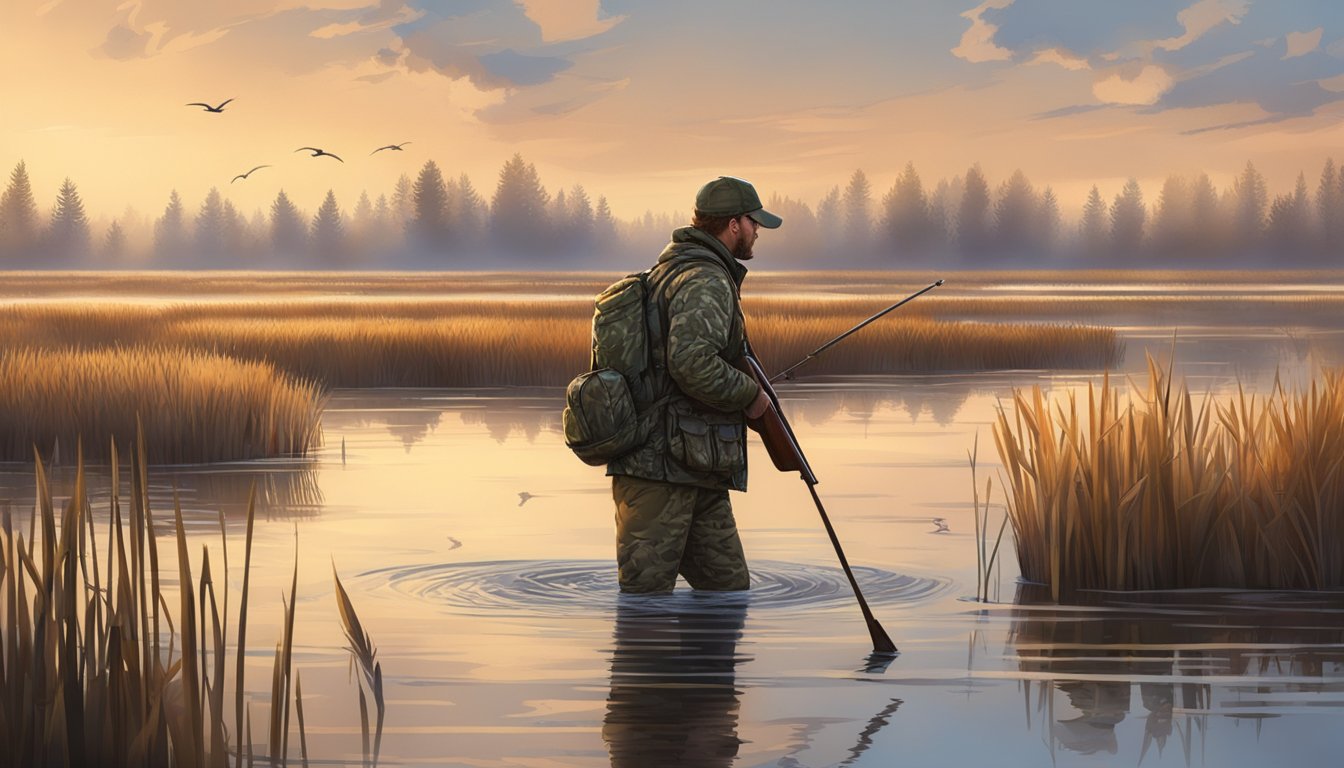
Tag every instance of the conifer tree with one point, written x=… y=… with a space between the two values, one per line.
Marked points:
x=828 y=215
x=1047 y=221
x=328 y=238
x=1206 y=233
x=580 y=215
x=858 y=216
x=1172 y=217
x=973 y=213
x=68 y=234
x=906 y=221
x=233 y=231
x=210 y=225
x=1288 y=230
x=469 y=210
x=429 y=226
x=1328 y=208
x=19 y=225
x=114 y=243
x=1016 y=215
x=170 y=231
x=1252 y=197
x=1093 y=229
x=1127 y=218
x=518 y=220
x=289 y=236
x=403 y=201
x=604 y=224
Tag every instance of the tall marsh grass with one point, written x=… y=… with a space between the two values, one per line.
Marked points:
x=1165 y=491
x=195 y=406
x=471 y=342
x=96 y=666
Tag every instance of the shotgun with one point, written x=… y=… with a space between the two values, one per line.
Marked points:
x=787 y=456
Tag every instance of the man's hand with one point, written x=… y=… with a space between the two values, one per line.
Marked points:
x=757 y=408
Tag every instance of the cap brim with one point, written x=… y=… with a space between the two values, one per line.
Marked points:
x=766 y=219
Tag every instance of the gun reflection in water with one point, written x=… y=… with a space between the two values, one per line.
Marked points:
x=674 y=699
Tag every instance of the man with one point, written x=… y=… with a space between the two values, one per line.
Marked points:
x=672 y=509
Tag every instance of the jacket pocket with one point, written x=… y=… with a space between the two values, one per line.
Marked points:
x=705 y=442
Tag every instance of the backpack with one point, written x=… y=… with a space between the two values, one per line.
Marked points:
x=610 y=409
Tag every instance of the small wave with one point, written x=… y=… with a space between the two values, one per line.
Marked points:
x=561 y=587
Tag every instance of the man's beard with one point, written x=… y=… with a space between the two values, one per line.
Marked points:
x=742 y=251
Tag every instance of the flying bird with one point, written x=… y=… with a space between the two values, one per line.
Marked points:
x=249 y=173
x=941 y=522
x=318 y=152
x=209 y=108
x=397 y=147
x=523 y=497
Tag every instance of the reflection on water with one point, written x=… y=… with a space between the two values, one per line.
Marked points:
x=285 y=490
x=563 y=588
x=673 y=699
x=1190 y=655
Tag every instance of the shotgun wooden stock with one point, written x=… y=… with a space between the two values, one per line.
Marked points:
x=773 y=429
x=783 y=448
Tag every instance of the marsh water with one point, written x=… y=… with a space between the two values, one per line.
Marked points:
x=478 y=553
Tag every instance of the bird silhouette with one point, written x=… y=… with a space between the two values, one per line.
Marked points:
x=456 y=543
x=941 y=522
x=318 y=152
x=523 y=496
x=397 y=147
x=249 y=173
x=209 y=108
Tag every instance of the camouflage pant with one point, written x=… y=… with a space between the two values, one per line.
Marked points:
x=663 y=529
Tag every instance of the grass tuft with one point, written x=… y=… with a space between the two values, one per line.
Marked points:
x=1167 y=491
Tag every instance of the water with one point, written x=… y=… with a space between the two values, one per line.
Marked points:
x=504 y=643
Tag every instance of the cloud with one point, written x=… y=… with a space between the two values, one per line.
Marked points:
x=1060 y=57
x=1145 y=87
x=1200 y=18
x=561 y=20
x=977 y=43
x=125 y=43
x=494 y=43
x=1302 y=43
x=1208 y=53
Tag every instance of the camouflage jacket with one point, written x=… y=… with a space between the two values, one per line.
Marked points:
x=700 y=437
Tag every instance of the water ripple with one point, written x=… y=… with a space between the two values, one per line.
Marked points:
x=561 y=587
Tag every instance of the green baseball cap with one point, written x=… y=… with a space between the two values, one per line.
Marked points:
x=731 y=196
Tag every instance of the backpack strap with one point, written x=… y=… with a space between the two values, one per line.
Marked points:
x=659 y=327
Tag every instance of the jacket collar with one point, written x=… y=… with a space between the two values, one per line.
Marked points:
x=691 y=236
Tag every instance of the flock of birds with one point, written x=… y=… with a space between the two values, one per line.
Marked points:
x=317 y=151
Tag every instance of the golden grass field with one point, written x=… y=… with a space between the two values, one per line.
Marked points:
x=1165 y=490
x=197 y=405
x=362 y=342
x=100 y=670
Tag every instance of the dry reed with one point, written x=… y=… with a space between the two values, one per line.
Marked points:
x=196 y=406
x=89 y=677
x=1162 y=493
x=470 y=342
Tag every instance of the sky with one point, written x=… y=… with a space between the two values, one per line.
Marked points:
x=644 y=100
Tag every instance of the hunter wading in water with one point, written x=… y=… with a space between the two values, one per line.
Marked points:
x=673 y=514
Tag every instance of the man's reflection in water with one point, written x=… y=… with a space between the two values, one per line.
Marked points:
x=673 y=700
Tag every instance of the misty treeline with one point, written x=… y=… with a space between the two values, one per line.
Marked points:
x=436 y=221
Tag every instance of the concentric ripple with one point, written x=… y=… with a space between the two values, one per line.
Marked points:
x=562 y=587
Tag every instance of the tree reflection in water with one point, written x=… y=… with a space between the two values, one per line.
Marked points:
x=674 y=699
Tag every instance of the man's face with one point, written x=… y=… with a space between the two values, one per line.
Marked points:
x=747 y=233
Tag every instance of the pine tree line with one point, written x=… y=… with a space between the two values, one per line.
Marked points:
x=436 y=222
